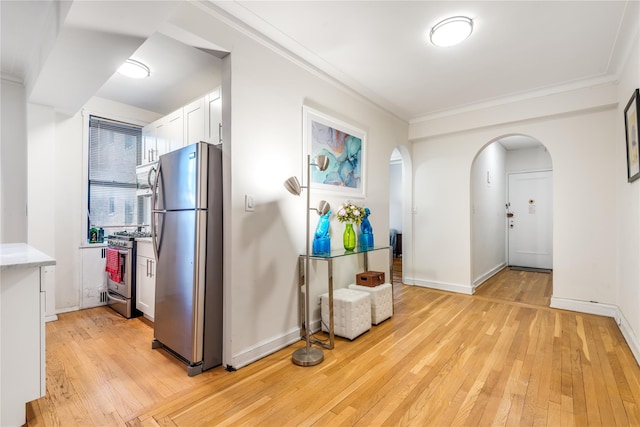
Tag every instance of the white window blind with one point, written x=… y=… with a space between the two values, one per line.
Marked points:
x=114 y=151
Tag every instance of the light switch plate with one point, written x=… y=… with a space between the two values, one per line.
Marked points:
x=249 y=204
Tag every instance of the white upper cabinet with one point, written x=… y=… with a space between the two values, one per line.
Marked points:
x=169 y=134
x=213 y=117
x=149 y=150
x=175 y=131
x=200 y=120
x=194 y=121
x=160 y=131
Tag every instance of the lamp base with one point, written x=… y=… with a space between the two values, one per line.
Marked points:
x=307 y=356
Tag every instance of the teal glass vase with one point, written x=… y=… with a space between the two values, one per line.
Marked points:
x=349 y=237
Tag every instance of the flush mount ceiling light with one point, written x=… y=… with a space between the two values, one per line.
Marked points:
x=451 y=31
x=134 y=69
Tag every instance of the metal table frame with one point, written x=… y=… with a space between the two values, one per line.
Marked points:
x=329 y=259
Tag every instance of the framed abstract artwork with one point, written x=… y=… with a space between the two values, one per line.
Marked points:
x=343 y=144
x=633 y=138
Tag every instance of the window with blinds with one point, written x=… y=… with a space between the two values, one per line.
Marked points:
x=114 y=152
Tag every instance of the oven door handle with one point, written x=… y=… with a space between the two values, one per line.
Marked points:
x=116 y=299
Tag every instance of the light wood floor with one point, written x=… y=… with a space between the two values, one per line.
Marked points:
x=500 y=357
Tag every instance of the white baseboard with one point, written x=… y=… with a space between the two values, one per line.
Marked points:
x=50 y=318
x=443 y=286
x=67 y=309
x=264 y=348
x=268 y=347
x=588 y=307
x=631 y=339
x=408 y=281
x=489 y=274
x=607 y=310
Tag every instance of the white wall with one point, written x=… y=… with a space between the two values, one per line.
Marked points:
x=41 y=170
x=68 y=210
x=267 y=95
x=57 y=186
x=528 y=159
x=265 y=92
x=13 y=163
x=262 y=113
x=488 y=193
x=627 y=214
x=582 y=146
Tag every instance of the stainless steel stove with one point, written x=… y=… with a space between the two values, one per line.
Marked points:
x=128 y=235
x=121 y=271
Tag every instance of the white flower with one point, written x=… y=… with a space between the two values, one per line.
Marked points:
x=350 y=212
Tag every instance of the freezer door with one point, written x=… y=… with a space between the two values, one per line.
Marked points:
x=182 y=178
x=180 y=282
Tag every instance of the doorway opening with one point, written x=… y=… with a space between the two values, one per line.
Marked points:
x=511 y=217
x=400 y=216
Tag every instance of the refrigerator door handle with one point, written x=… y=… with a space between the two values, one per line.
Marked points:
x=155 y=239
x=151 y=184
x=154 y=187
x=155 y=210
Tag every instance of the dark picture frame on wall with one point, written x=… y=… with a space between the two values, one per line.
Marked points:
x=632 y=134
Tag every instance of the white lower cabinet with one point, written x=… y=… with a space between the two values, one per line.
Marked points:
x=94 y=279
x=22 y=330
x=145 y=279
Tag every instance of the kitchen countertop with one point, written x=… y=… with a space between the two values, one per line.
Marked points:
x=21 y=255
x=143 y=239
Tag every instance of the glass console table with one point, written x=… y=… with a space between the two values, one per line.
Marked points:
x=335 y=254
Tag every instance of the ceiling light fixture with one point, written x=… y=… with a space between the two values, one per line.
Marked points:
x=134 y=69
x=451 y=31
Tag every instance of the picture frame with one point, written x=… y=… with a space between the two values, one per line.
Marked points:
x=344 y=145
x=632 y=134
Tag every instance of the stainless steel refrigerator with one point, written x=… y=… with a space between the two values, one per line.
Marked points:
x=187 y=237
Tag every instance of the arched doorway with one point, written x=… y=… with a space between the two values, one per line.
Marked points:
x=499 y=229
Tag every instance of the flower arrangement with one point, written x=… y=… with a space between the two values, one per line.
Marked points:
x=350 y=212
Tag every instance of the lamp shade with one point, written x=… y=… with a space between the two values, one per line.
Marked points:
x=323 y=207
x=293 y=186
x=322 y=162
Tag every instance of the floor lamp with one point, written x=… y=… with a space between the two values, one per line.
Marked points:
x=308 y=356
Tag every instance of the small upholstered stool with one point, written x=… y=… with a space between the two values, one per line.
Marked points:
x=351 y=312
x=381 y=301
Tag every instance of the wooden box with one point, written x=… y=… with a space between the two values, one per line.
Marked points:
x=370 y=278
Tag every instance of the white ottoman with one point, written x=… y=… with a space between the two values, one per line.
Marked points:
x=381 y=301
x=351 y=312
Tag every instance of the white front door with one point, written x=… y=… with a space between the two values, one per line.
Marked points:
x=529 y=219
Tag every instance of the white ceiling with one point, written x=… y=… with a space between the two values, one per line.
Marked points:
x=87 y=52
x=375 y=47
x=518 y=142
x=179 y=73
x=379 y=47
